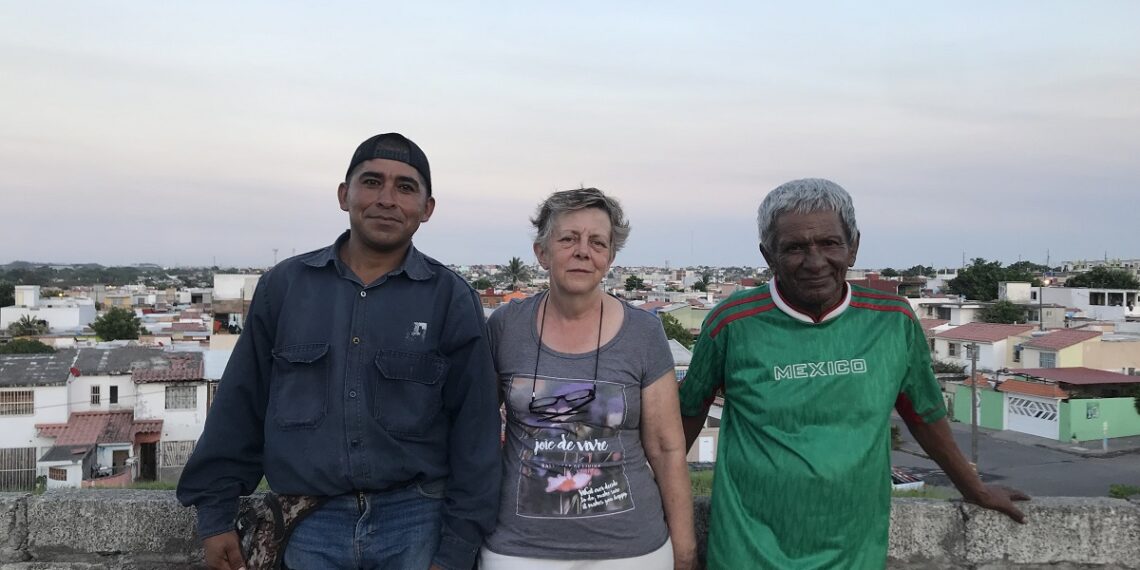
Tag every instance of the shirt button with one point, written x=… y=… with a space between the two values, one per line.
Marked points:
x=355 y=443
x=363 y=294
x=355 y=340
x=352 y=393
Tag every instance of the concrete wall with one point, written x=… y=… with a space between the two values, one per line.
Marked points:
x=122 y=529
x=62 y=317
x=1120 y=413
x=992 y=407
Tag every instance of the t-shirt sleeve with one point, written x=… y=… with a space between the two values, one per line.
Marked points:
x=658 y=356
x=705 y=374
x=920 y=398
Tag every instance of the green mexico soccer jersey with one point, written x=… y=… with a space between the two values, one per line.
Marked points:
x=803 y=463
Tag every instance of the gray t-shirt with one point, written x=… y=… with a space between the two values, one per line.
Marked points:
x=576 y=484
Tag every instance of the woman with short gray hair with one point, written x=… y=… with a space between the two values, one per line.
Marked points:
x=594 y=461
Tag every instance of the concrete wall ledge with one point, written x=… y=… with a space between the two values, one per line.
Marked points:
x=125 y=529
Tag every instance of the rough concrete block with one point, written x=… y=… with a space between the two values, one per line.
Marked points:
x=927 y=533
x=124 y=528
x=13 y=527
x=1085 y=531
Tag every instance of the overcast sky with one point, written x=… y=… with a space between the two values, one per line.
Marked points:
x=201 y=132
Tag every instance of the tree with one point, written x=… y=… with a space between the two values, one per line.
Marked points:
x=7 y=294
x=25 y=346
x=889 y=272
x=1104 y=278
x=1028 y=267
x=702 y=284
x=633 y=283
x=918 y=271
x=516 y=272
x=28 y=325
x=117 y=324
x=1003 y=312
x=979 y=281
x=481 y=284
x=675 y=330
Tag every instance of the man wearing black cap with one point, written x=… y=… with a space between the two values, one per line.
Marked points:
x=362 y=380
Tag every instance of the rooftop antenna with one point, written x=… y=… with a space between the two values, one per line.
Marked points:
x=274 y=256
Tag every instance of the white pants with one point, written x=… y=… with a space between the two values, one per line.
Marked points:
x=660 y=559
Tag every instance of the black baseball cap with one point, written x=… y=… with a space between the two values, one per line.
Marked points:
x=392 y=146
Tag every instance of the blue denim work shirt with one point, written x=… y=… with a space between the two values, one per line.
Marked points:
x=337 y=387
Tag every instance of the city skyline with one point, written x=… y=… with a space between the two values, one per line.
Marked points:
x=212 y=133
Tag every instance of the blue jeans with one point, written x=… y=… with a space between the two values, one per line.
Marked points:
x=395 y=529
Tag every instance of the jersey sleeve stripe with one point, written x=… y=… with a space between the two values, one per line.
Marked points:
x=740 y=315
x=904 y=310
x=744 y=300
x=869 y=295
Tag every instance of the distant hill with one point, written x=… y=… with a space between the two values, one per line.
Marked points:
x=34 y=264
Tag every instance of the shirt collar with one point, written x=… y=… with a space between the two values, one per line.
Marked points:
x=799 y=315
x=415 y=264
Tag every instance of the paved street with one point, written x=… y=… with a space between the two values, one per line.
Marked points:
x=1013 y=459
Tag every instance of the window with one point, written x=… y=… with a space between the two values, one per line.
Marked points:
x=1048 y=360
x=113 y=397
x=17 y=403
x=1116 y=299
x=953 y=350
x=1096 y=299
x=18 y=468
x=176 y=453
x=181 y=397
x=95 y=396
x=57 y=474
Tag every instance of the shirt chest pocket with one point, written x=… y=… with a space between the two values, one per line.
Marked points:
x=299 y=387
x=408 y=395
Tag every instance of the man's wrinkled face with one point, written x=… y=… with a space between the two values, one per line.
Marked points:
x=811 y=257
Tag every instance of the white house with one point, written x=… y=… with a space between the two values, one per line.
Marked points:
x=33 y=388
x=995 y=342
x=1094 y=303
x=131 y=413
x=61 y=314
x=179 y=395
x=956 y=312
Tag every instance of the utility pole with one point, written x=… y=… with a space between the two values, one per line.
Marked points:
x=274 y=256
x=973 y=348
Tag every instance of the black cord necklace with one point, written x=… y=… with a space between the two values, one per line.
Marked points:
x=543 y=407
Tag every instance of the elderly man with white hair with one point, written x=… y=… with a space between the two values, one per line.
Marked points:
x=810 y=368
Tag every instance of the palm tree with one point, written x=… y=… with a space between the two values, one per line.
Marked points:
x=702 y=284
x=516 y=272
x=28 y=325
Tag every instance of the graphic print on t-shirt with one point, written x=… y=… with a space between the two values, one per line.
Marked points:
x=571 y=454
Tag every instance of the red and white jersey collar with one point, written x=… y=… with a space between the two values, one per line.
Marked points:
x=830 y=313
